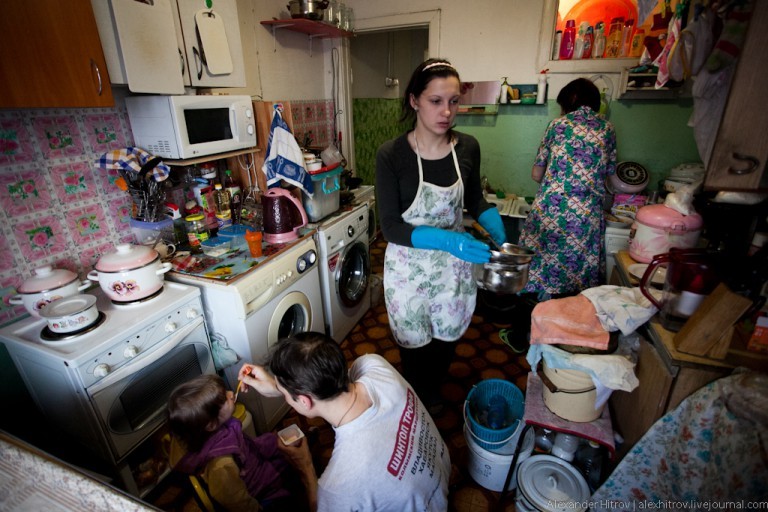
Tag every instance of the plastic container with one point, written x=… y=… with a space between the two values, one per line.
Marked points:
x=325 y=199
x=490 y=469
x=253 y=238
x=235 y=234
x=574 y=398
x=215 y=246
x=144 y=231
x=499 y=440
x=565 y=446
x=290 y=435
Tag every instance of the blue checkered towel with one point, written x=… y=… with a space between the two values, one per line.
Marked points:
x=285 y=160
x=132 y=159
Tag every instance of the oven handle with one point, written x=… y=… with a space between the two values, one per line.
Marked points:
x=173 y=341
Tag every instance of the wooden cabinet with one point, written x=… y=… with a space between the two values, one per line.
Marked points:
x=162 y=46
x=51 y=56
x=740 y=152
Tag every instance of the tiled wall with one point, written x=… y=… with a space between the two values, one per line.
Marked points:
x=58 y=208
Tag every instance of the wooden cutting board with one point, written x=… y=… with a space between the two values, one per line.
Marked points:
x=213 y=42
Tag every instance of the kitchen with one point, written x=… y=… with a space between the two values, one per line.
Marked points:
x=493 y=39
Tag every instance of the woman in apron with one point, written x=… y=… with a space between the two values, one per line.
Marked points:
x=424 y=179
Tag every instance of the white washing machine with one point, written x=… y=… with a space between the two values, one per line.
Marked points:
x=345 y=270
x=366 y=194
x=278 y=298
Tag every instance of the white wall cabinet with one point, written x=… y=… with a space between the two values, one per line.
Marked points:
x=162 y=46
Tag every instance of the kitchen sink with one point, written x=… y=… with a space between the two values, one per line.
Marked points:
x=519 y=208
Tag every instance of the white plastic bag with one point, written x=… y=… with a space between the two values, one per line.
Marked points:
x=682 y=199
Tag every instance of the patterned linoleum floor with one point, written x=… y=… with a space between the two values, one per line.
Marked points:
x=480 y=355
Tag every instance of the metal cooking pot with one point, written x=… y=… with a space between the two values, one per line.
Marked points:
x=512 y=254
x=501 y=277
x=310 y=9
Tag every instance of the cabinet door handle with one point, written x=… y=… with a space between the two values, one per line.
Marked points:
x=753 y=162
x=182 y=64
x=95 y=68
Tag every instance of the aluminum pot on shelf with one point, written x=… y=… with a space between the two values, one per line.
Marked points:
x=310 y=9
x=133 y=272
x=47 y=285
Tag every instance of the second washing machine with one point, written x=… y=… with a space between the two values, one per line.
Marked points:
x=345 y=270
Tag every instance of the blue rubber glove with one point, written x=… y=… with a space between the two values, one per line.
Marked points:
x=462 y=245
x=491 y=221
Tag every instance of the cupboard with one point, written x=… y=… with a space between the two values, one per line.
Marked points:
x=51 y=56
x=740 y=152
x=162 y=46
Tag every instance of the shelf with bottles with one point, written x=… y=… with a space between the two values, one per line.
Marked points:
x=522 y=94
x=642 y=86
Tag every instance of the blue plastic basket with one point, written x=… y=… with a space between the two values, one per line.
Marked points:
x=478 y=402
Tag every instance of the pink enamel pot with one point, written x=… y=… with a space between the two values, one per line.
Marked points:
x=47 y=285
x=132 y=273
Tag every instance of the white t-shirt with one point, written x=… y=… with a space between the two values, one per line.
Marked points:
x=391 y=457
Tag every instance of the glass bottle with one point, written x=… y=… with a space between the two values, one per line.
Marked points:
x=197 y=232
x=544 y=440
x=340 y=15
x=589 y=460
x=329 y=14
x=230 y=185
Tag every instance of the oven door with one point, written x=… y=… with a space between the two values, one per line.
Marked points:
x=352 y=274
x=131 y=402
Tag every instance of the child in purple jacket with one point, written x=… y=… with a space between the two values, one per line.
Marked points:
x=242 y=473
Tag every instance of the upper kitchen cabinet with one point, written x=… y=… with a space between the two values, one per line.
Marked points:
x=161 y=46
x=51 y=56
x=740 y=152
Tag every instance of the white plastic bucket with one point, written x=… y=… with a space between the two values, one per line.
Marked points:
x=574 y=395
x=490 y=469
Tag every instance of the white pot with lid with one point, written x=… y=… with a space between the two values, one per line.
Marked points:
x=657 y=228
x=548 y=483
x=71 y=314
x=45 y=286
x=133 y=272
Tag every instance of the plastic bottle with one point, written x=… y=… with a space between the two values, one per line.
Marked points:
x=569 y=40
x=231 y=185
x=589 y=460
x=613 y=44
x=497 y=412
x=588 y=42
x=638 y=43
x=544 y=440
x=598 y=48
x=565 y=446
x=221 y=201
x=626 y=37
x=556 y=45
x=578 y=47
x=504 y=94
x=541 y=89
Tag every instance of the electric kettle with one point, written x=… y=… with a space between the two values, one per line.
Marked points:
x=283 y=216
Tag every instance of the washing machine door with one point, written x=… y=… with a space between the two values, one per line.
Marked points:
x=353 y=271
x=291 y=316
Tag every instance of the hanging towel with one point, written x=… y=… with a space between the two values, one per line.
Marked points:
x=285 y=160
x=132 y=160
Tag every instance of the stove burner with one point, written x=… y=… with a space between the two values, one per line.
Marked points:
x=48 y=335
x=138 y=301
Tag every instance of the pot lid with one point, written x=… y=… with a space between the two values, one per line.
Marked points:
x=47 y=278
x=660 y=216
x=548 y=481
x=68 y=306
x=127 y=257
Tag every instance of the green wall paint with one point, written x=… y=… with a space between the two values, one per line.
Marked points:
x=653 y=134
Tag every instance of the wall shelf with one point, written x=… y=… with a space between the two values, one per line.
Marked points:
x=313 y=29
x=208 y=158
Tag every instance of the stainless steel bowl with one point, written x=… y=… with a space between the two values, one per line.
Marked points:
x=501 y=277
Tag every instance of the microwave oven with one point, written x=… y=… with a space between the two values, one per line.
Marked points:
x=178 y=127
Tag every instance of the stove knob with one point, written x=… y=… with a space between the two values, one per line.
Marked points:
x=171 y=327
x=101 y=370
x=192 y=314
x=131 y=351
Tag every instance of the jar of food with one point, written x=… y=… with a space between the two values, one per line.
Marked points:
x=197 y=232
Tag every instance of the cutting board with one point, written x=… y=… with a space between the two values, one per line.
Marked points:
x=149 y=49
x=213 y=41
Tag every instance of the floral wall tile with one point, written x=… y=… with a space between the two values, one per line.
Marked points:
x=15 y=141
x=89 y=257
x=23 y=191
x=73 y=181
x=104 y=132
x=87 y=224
x=6 y=254
x=41 y=237
x=58 y=136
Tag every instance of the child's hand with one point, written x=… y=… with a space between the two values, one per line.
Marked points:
x=256 y=376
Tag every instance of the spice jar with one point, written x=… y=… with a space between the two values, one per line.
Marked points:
x=197 y=232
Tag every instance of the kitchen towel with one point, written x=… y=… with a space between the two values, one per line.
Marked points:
x=132 y=159
x=568 y=321
x=285 y=160
x=620 y=308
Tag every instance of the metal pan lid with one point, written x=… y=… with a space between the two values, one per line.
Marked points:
x=68 y=306
x=550 y=483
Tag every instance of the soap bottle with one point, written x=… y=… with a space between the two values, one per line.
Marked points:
x=626 y=37
x=613 y=45
x=588 y=41
x=504 y=91
x=578 y=47
x=569 y=40
x=541 y=90
x=556 y=45
x=598 y=48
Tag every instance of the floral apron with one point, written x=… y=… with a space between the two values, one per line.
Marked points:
x=429 y=293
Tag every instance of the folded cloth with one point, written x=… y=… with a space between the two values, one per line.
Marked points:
x=132 y=159
x=620 y=308
x=568 y=321
x=284 y=160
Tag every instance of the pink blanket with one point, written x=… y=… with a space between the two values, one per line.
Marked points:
x=568 y=321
